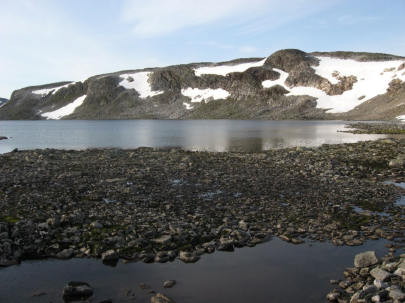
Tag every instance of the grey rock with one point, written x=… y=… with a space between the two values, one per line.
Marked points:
x=96 y=225
x=164 y=239
x=365 y=259
x=161 y=298
x=367 y=290
x=65 y=254
x=7 y=248
x=188 y=257
x=380 y=274
x=397 y=294
x=109 y=255
x=77 y=289
x=169 y=284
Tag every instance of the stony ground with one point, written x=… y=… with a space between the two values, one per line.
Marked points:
x=155 y=204
x=376 y=128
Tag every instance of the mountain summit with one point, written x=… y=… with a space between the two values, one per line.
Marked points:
x=289 y=84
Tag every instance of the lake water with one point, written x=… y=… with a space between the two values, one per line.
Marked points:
x=275 y=271
x=211 y=135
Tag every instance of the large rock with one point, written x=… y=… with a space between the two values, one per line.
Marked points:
x=188 y=257
x=77 y=289
x=397 y=294
x=65 y=254
x=380 y=274
x=164 y=239
x=365 y=259
x=160 y=298
x=109 y=255
x=96 y=225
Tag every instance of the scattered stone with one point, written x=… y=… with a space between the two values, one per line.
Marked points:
x=109 y=255
x=188 y=257
x=38 y=294
x=96 y=225
x=143 y=286
x=65 y=254
x=169 y=284
x=380 y=274
x=77 y=289
x=160 y=298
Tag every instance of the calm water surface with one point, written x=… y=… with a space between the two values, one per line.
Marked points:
x=212 y=135
x=272 y=272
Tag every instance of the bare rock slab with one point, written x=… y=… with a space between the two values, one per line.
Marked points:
x=365 y=259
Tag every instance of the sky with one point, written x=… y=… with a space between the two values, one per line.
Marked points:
x=47 y=41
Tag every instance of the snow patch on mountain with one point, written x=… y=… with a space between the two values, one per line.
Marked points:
x=198 y=95
x=402 y=118
x=188 y=106
x=64 y=111
x=373 y=79
x=139 y=82
x=223 y=70
x=44 y=92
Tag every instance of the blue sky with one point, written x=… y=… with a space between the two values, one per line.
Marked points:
x=46 y=41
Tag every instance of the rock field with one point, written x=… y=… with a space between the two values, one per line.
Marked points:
x=155 y=205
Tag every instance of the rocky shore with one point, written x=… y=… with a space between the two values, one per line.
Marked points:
x=372 y=280
x=156 y=205
x=376 y=128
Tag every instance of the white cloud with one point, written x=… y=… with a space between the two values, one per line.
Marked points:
x=248 y=49
x=160 y=17
x=351 y=20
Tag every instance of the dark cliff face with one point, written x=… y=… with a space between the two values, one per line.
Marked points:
x=245 y=95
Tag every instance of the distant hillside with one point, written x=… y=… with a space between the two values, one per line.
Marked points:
x=288 y=84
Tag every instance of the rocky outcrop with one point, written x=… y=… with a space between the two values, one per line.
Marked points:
x=243 y=94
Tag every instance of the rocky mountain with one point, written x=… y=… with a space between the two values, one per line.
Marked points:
x=2 y=101
x=289 y=84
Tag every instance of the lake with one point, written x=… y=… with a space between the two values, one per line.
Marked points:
x=210 y=135
x=275 y=271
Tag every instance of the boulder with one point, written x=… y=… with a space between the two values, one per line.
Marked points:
x=188 y=257
x=77 y=289
x=169 y=284
x=397 y=294
x=160 y=298
x=109 y=255
x=96 y=225
x=380 y=274
x=65 y=254
x=164 y=239
x=365 y=259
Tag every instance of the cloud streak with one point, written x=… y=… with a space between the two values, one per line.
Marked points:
x=161 y=17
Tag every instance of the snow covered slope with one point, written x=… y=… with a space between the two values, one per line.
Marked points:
x=288 y=84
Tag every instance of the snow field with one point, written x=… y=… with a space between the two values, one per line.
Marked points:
x=372 y=80
x=46 y=91
x=198 y=95
x=64 y=111
x=223 y=70
x=140 y=84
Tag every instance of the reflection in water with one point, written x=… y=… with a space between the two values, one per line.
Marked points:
x=212 y=135
x=256 y=274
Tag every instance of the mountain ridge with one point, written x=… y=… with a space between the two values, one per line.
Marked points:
x=288 y=84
